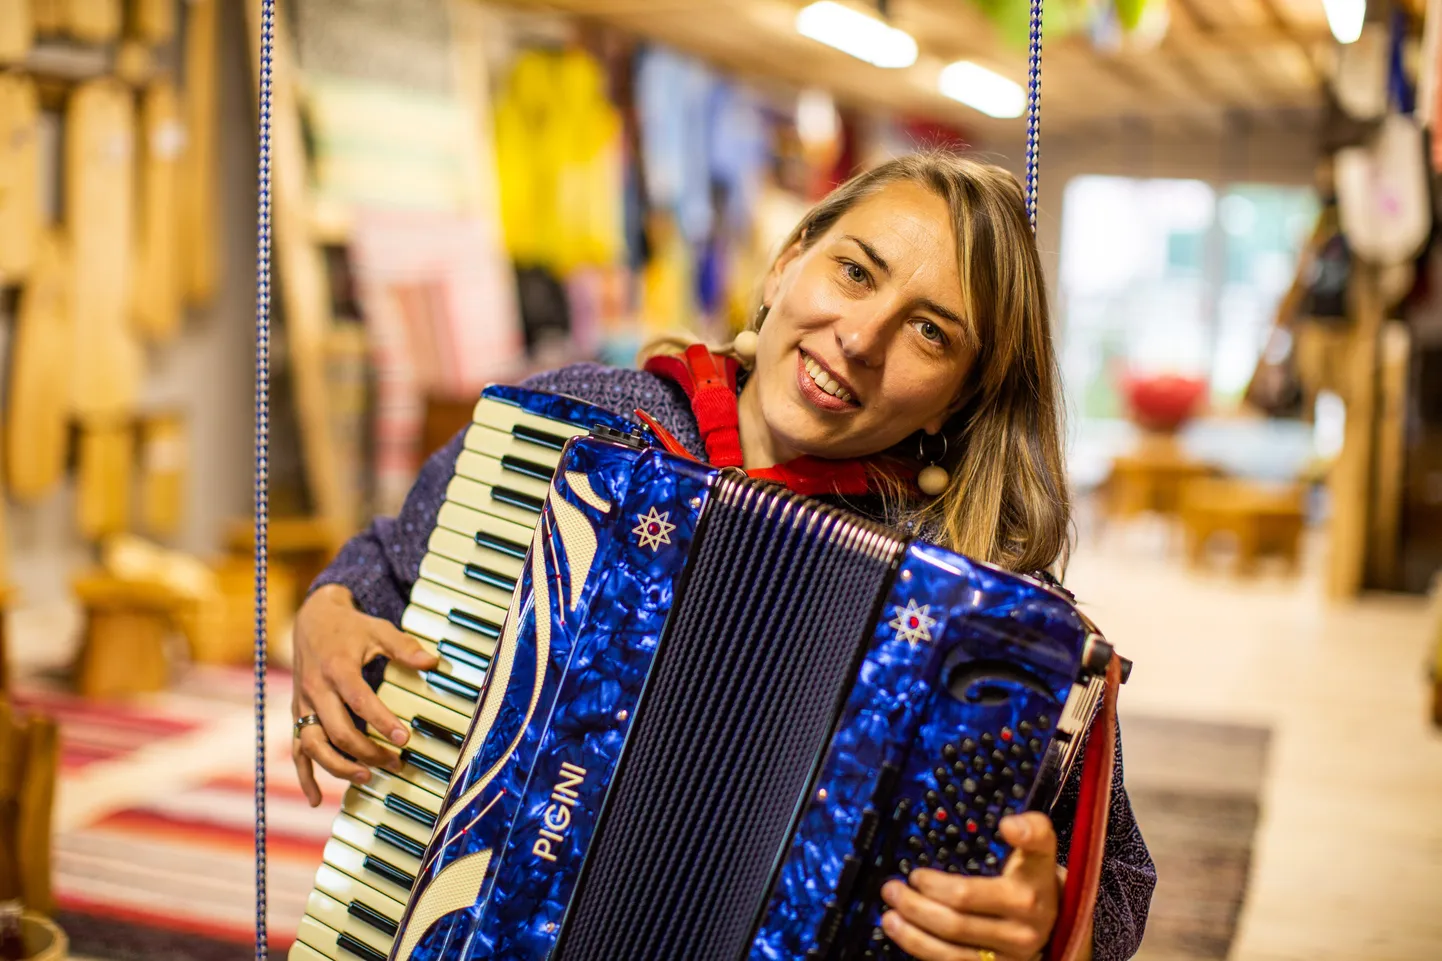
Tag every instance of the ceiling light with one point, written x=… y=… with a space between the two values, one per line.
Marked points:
x=980 y=88
x=851 y=31
x=1345 y=18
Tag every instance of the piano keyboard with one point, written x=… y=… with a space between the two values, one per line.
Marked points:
x=456 y=611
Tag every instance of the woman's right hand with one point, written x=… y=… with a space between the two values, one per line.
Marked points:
x=333 y=641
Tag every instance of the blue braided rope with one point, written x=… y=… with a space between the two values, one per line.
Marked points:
x=1033 y=112
x=262 y=463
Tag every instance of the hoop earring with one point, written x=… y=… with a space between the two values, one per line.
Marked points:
x=744 y=346
x=933 y=478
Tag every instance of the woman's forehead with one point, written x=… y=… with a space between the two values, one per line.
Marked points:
x=909 y=227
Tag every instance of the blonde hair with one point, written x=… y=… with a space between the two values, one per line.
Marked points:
x=1008 y=502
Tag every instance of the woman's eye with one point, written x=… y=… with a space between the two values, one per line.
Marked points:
x=931 y=331
x=855 y=273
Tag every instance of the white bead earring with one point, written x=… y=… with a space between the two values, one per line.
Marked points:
x=744 y=346
x=933 y=478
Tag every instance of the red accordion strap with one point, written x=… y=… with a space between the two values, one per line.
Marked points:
x=1089 y=832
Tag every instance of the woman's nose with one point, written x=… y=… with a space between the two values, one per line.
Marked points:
x=863 y=339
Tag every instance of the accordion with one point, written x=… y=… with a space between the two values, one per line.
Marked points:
x=711 y=719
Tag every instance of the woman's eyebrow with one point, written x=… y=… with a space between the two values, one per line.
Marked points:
x=871 y=253
x=942 y=312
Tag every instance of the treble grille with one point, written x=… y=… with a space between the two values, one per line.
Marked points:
x=750 y=674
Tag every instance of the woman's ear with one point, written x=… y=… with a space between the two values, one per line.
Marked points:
x=772 y=286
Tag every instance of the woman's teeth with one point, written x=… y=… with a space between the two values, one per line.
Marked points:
x=825 y=381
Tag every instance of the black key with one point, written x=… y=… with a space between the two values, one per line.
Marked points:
x=526 y=468
x=427 y=765
x=948 y=751
x=374 y=918
x=464 y=655
x=516 y=499
x=404 y=808
x=539 y=437
x=398 y=840
x=390 y=872
x=471 y=622
x=432 y=729
x=361 y=950
x=452 y=686
x=501 y=545
x=490 y=578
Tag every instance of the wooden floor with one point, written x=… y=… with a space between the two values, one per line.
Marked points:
x=1348 y=861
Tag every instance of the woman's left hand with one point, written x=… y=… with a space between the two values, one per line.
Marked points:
x=948 y=917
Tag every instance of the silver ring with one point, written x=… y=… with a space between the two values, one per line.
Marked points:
x=302 y=722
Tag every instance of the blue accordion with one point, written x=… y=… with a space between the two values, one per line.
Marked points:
x=720 y=716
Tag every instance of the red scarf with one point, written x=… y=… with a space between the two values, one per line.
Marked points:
x=709 y=381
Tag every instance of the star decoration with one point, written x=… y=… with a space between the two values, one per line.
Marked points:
x=913 y=623
x=654 y=528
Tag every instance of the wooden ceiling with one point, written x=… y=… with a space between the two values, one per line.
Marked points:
x=1263 y=60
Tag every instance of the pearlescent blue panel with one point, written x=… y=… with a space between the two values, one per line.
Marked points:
x=566 y=408
x=943 y=613
x=508 y=746
x=615 y=643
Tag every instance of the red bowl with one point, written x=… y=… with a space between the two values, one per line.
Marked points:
x=1163 y=402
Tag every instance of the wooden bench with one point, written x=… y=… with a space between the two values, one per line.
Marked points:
x=1265 y=519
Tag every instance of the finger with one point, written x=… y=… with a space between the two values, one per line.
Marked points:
x=305 y=774
x=921 y=945
x=357 y=693
x=958 y=927
x=313 y=743
x=999 y=897
x=400 y=646
x=342 y=733
x=1033 y=841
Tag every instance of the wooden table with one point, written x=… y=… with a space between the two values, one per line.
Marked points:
x=1152 y=477
x=1266 y=519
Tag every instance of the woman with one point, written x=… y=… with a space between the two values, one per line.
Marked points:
x=905 y=319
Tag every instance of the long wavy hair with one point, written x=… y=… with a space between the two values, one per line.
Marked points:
x=1008 y=502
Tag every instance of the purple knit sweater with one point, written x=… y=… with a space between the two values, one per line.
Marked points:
x=380 y=564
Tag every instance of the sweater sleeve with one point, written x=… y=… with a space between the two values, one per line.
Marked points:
x=1128 y=875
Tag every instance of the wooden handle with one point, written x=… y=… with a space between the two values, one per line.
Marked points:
x=93 y=21
x=20 y=201
x=17 y=30
x=157 y=293
x=99 y=164
x=37 y=425
x=105 y=470
x=197 y=181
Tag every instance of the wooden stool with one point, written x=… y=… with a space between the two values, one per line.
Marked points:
x=29 y=765
x=223 y=630
x=1266 y=519
x=304 y=544
x=1152 y=478
x=127 y=623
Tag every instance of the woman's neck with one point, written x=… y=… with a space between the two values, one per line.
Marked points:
x=759 y=449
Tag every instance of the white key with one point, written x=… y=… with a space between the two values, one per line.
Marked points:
x=347 y=889
x=300 y=951
x=434 y=627
x=449 y=573
x=464 y=520
x=488 y=470
x=462 y=670
x=362 y=837
x=505 y=417
x=384 y=784
x=362 y=807
x=349 y=860
x=479 y=497
x=441 y=600
x=332 y=913
x=411 y=680
x=494 y=443
x=408 y=706
x=466 y=549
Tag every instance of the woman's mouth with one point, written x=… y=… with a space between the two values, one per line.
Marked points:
x=821 y=387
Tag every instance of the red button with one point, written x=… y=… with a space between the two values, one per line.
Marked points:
x=971 y=825
x=941 y=814
x=1006 y=734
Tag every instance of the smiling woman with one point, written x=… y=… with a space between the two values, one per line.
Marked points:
x=902 y=325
